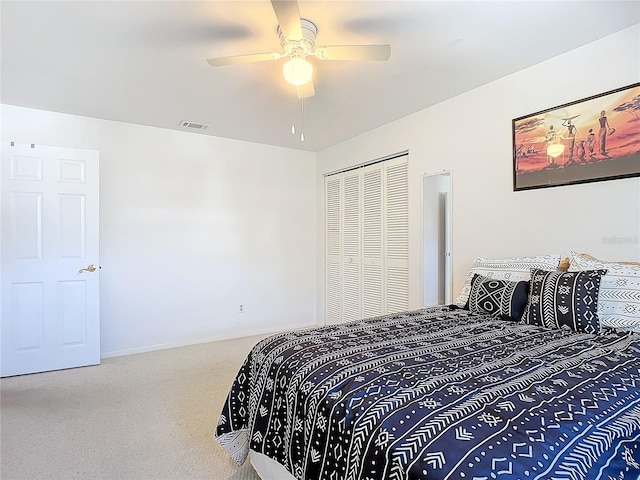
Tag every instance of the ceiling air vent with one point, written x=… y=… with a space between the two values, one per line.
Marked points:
x=193 y=125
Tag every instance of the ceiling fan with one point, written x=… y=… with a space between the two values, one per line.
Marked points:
x=297 y=37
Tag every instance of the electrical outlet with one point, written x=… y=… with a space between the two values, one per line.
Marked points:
x=241 y=309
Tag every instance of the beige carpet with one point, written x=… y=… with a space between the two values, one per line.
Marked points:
x=145 y=416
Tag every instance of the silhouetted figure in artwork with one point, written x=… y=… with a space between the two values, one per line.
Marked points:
x=571 y=132
x=591 y=143
x=602 y=133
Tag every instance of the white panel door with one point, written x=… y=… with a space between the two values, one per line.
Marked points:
x=50 y=315
x=436 y=239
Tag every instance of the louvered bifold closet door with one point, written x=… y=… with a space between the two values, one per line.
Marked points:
x=397 y=235
x=351 y=247
x=372 y=238
x=367 y=240
x=333 y=202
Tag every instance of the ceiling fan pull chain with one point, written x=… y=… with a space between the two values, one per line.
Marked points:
x=293 y=111
x=302 y=121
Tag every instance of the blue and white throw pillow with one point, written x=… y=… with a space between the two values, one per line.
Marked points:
x=559 y=299
x=500 y=298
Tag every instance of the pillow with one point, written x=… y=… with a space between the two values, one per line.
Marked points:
x=564 y=298
x=512 y=269
x=619 y=299
x=500 y=298
x=563 y=266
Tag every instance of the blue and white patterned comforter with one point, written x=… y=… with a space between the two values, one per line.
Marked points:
x=439 y=394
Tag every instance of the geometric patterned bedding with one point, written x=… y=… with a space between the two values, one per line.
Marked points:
x=439 y=394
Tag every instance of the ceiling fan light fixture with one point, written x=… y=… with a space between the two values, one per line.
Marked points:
x=297 y=71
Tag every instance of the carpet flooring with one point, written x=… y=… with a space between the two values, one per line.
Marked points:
x=145 y=416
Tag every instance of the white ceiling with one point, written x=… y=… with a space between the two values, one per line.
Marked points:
x=144 y=62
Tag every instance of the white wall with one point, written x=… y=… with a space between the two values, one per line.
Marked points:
x=191 y=226
x=471 y=136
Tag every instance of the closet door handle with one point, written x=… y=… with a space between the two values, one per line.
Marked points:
x=90 y=268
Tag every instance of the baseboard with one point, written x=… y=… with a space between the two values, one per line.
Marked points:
x=197 y=341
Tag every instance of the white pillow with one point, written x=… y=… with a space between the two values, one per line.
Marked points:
x=619 y=298
x=512 y=269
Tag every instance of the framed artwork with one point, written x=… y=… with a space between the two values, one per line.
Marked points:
x=589 y=140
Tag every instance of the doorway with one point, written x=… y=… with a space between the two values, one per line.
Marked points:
x=436 y=235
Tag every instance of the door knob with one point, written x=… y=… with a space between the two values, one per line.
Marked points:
x=90 y=268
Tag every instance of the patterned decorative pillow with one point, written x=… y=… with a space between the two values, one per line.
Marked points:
x=512 y=269
x=619 y=299
x=500 y=298
x=564 y=298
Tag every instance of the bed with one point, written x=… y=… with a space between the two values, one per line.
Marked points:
x=450 y=392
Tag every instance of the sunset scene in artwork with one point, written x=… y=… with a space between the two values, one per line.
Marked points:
x=605 y=129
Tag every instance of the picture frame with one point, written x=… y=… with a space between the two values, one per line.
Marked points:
x=589 y=140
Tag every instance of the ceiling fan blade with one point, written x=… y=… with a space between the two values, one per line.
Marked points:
x=354 y=52
x=251 y=58
x=305 y=91
x=288 y=15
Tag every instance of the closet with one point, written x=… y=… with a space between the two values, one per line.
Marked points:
x=367 y=241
